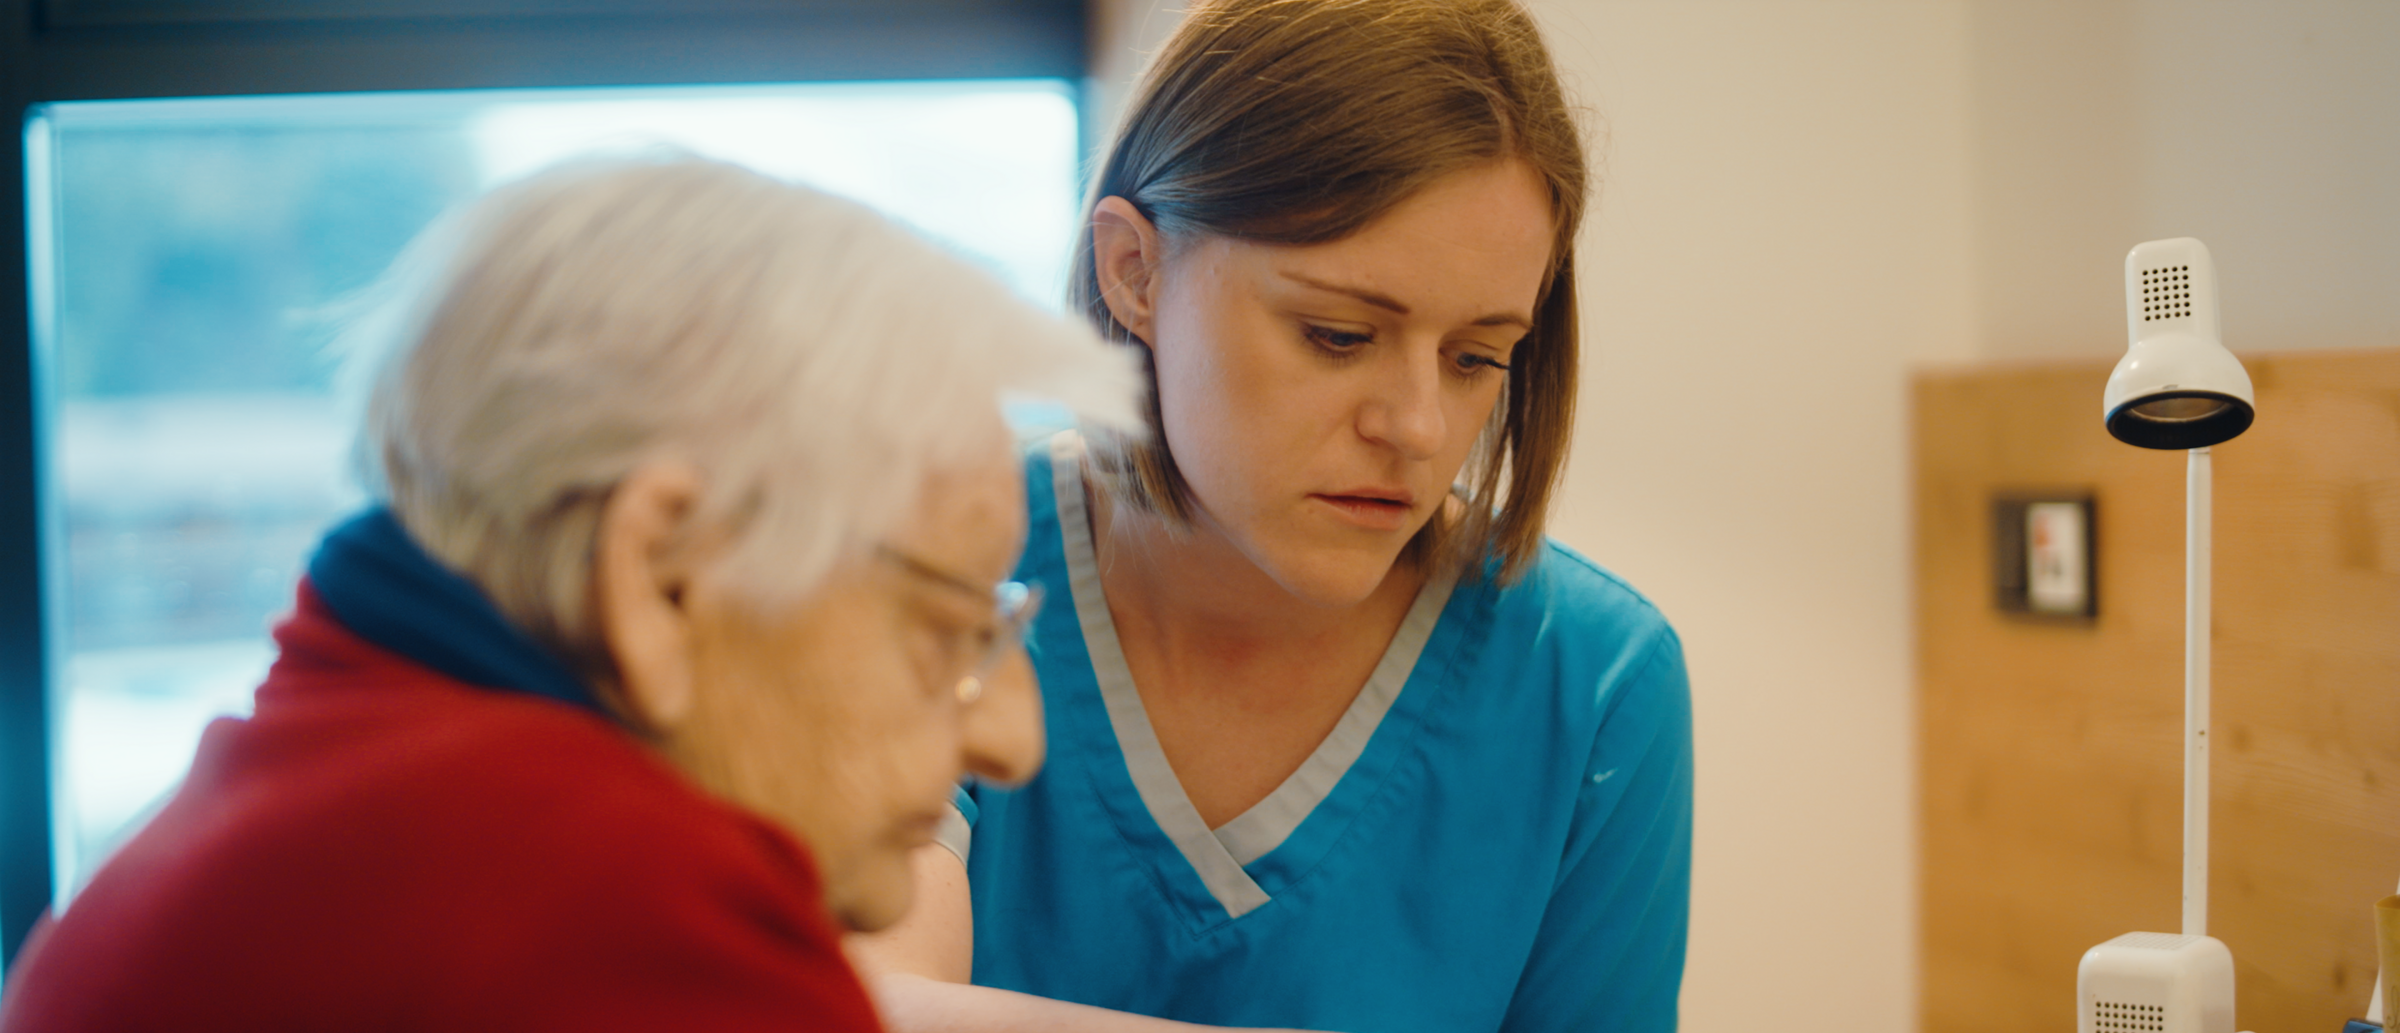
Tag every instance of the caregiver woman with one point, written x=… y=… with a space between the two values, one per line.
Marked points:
x=1338 y=739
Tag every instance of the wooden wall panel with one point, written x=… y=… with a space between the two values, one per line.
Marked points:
x=2051 y=759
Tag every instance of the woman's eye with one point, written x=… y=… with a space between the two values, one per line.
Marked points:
x=1338 y=342
x=1470 y=363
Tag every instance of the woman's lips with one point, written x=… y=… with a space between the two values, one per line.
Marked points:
x=1371 y=512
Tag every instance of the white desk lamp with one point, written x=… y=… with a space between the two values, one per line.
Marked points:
x=2176 y=388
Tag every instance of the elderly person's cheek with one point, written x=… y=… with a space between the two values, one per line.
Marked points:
x=1003 y=740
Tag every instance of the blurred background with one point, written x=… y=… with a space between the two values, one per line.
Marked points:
x=1801 y=204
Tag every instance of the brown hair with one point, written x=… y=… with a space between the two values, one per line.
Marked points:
x=1300 y=122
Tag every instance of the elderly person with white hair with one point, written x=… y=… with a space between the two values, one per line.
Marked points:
x=684 y=612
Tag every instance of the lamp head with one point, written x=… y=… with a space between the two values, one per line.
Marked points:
x=2177 y=387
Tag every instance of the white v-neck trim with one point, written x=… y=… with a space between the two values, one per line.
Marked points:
x=1219 y=855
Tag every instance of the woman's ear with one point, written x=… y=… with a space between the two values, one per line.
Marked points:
x=1125 y=257
x=641 y=572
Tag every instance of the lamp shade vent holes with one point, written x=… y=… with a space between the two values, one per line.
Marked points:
x=2166 y=293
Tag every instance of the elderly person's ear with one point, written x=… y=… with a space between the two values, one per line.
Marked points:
x=642 y=570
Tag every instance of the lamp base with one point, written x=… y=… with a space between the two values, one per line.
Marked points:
x=2155 y=983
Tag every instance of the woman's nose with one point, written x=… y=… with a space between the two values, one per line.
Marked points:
x=1404 y=409
x=1004 y=741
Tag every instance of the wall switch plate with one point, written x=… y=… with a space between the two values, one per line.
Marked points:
x=2044 y=555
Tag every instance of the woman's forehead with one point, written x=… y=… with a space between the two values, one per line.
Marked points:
x=1461 y=285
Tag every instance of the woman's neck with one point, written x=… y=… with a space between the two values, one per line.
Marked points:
x=1241 y=679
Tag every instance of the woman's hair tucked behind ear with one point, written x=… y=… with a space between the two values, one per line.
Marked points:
x=1299 y=122
x=811 y=360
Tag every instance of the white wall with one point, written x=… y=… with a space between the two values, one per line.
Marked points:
x=2268 y=128
x=1782 y=232
x=1124 y=34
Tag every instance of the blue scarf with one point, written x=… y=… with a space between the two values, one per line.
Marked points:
x=382 y=586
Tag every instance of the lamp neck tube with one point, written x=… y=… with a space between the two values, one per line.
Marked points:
x=2196 y=574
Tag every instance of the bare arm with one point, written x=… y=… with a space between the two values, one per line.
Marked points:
x=918 y=971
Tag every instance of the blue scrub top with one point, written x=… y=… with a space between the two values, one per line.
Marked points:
x=1496 y=836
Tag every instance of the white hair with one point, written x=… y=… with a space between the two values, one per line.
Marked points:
x=814 y=361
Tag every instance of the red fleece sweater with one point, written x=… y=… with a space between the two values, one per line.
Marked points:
x=381 y=847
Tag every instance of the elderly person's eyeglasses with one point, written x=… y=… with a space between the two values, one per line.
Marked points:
x=1013 y=605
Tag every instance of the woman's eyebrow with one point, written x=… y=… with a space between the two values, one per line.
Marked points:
x=1390 y=304
x=1381 y=301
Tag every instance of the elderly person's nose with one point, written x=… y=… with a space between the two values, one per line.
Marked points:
x=1004 y=741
